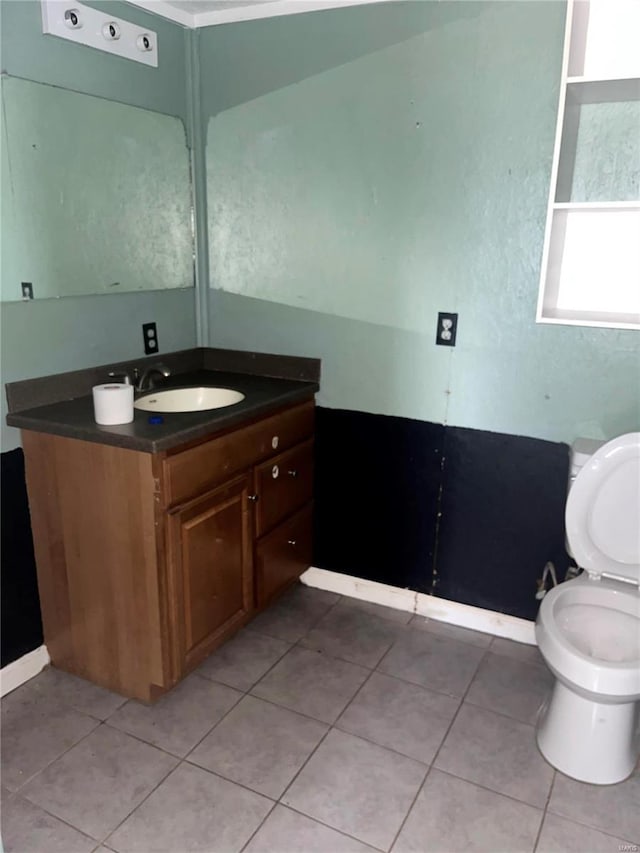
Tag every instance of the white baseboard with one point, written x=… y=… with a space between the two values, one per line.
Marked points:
x=440 y=609
x=18 y=671
x=464 y=615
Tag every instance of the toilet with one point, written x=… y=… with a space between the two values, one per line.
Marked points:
x=588 y=628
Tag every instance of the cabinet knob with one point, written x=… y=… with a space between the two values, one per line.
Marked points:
x=291 y=541
x=253 y=498
x=275 y=472
x=292 y=472
x=275 y=441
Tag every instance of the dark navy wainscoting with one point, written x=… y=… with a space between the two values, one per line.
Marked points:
x=502 y=518
x=377 y=481
x=21 y=623
x=468 y=515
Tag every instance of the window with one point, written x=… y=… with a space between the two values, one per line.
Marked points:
x=591 y=259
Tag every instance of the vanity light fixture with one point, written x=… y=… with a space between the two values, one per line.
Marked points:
x=92 y=28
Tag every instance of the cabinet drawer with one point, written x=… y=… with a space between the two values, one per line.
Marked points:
x=194 y=471
x=283 y=484
x=283 y=554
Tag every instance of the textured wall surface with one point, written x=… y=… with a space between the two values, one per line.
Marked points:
x=353 y=194
x=607 y=153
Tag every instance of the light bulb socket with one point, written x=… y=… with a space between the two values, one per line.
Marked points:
x=111 y=31
x=144 y=42
x=72 y=19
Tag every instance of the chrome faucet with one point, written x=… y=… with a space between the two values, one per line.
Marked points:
x=140 y=381
x=146 y=382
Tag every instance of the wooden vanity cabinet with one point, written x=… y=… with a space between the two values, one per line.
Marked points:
x=147 y=562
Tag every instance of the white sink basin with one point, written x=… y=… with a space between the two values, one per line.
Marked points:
x=188 y=399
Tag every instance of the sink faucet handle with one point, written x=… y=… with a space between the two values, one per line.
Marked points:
x=120 y=376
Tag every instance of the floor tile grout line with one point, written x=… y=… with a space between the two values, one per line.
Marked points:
x=180 y=760
x=330 y=727
x=457 y=699
x=372 y=847
x=321 y=741
x=64 y=752
x=302 y=766
x=144 y=799
x=248 y=690
x=214 y=726
x=433 y=760
x=259 y=827
x=347 y=601
x=61 y=702
x=502 y=714
x=288 y=708
x=138 y=805
x=519 y=661
x=379 y=745
x=410 y=809
x=56 y=817
x=489 y=790
x=455 y=716
x=444 y=636
x=163 y=748
x=544 y=812
x=335 y=724
x=231 y=781
x=343 y=659
x=591 y=825
x=464 y=702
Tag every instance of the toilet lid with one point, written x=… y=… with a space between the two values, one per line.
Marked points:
x=603 y=511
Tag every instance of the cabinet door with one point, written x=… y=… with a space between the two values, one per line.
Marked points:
x=283 y=485
x=213 y=568
x=283 y=554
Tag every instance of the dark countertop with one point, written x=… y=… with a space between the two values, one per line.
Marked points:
x=74 y=418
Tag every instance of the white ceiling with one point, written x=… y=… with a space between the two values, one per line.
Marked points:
x=206 y=13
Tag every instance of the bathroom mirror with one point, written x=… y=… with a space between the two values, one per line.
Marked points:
x=96 y=195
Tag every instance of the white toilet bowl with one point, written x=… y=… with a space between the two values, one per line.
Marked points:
x=588 y=629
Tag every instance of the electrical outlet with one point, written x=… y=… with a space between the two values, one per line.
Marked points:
x=150 y=337
x=27 y=290
x=447 y=328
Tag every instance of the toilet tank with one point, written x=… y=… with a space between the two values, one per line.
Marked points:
x=582 y=450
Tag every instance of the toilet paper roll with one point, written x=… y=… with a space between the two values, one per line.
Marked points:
x=113 y=403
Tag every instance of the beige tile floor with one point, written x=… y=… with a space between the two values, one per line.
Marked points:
x=325 y=726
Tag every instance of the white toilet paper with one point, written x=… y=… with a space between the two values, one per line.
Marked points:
x=113 y=403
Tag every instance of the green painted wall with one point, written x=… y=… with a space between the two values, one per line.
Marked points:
x=369 y=167
x=53 y=335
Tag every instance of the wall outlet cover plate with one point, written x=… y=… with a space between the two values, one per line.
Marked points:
x=447 y=329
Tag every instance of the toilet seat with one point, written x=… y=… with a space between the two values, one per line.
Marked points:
x=605 y=540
